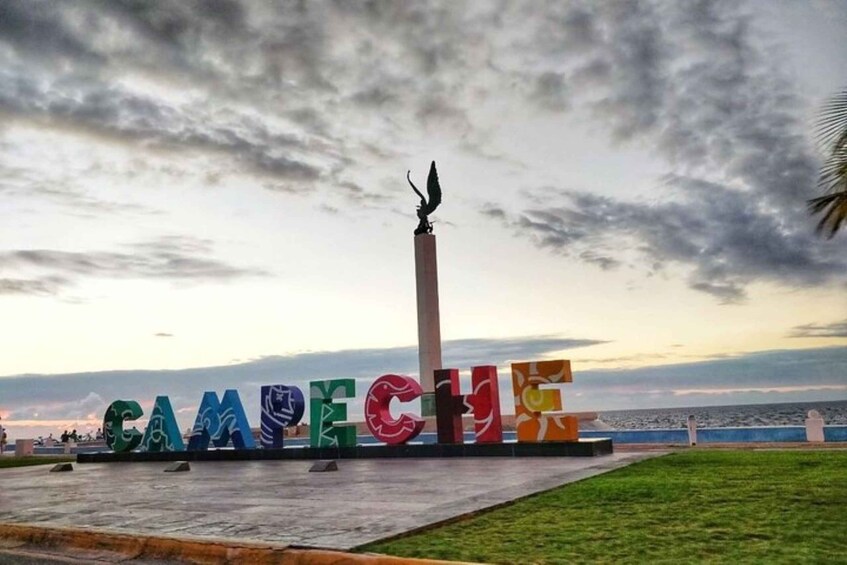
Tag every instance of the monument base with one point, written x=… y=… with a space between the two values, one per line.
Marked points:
x=581 y=448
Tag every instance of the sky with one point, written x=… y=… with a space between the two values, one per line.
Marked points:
x=199 y=195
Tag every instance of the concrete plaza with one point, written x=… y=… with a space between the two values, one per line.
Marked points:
x=280 y=501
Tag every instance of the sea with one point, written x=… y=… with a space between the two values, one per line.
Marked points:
x=784 y=414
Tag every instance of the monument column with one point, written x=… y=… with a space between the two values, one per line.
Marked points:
x=429 y=325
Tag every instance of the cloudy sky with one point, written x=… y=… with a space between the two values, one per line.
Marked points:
x=211 y=194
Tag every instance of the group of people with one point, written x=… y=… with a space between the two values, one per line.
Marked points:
x=66 y=437
x=75 y=437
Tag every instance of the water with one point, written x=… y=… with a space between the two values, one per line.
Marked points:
x=787 y=414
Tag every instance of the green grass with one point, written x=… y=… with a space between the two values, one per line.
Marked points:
x=9 y=462
x=694 y=506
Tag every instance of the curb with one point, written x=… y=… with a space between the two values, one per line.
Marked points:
x=192 y=550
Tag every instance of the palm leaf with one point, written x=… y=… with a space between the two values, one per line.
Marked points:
x=834 y=209
x=832 y=124
x=832 y=180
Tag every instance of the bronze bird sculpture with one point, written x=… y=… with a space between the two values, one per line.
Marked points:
x=433 y=190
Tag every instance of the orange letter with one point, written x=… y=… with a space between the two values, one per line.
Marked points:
x=530 y=401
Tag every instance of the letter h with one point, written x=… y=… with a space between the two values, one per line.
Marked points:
x=484 y=403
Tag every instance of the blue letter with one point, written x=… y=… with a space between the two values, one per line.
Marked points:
x=220 y=422
x=282 y=406
x=162 y=433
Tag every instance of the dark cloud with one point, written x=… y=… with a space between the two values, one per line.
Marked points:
x=493 y=211
x=280 y=89
x=174 y=258
x=835 y=329
x=44 y=286
x=637 y=51
x=70 y=395
x=821 y=366
x=719 y=234
x=623 y=359
x=39 y=29
x=693 y=82
x=90 y=106
x=603 y=261
x=74 y=407
x=63 y=190
x=290 y=92
x=809 y=374
x=550 y=92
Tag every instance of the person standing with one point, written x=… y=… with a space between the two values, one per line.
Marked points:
x=2 y=437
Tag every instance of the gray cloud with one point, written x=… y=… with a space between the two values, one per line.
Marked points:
x=90 y=406
x=285 y=61
x=63 y=190
x=282 y=90
x=551 y=92
x=717 y=233
x=93 y=107
x=692 y=82
x=809 y=374
x=493 y=211
x=174 y=258
x=60 y=396
x=44 y=286
x=37 y=28
x=835 y=329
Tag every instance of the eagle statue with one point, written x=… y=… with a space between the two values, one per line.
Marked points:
x=433 y=190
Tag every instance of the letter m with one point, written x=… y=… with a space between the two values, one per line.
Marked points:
x=220 y=422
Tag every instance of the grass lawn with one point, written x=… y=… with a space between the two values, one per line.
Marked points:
x=8 y=462
x=693 y=506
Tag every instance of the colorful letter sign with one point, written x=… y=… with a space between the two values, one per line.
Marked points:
x=530 y=402
x=220 y=422
x=282 y=406
x=117 y=438
x=162 y=433
x=378 y=414
x=538 y=416
x=328 y=419
x=484 y=403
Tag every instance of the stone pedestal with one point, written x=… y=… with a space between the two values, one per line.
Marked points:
x=814 y=427
x=23 y=448
x=429 y=325
x=692 y=431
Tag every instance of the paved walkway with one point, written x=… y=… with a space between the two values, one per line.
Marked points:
x=280 y=501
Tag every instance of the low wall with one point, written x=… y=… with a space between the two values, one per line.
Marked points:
x=784 y=434
x=677 y=436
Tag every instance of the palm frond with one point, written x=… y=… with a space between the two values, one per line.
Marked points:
x=832 y=124
x=833 y=173
x=832 y=179
x=834 y=209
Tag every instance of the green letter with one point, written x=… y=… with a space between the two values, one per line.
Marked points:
x=118 y=439
x=328 y=427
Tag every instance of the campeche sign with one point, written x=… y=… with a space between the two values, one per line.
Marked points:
x=223 y=421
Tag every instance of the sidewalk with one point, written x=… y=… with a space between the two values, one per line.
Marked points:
x=280 y=501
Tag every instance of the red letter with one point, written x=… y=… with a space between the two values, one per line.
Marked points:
x=484 y=403
x=378 y=415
